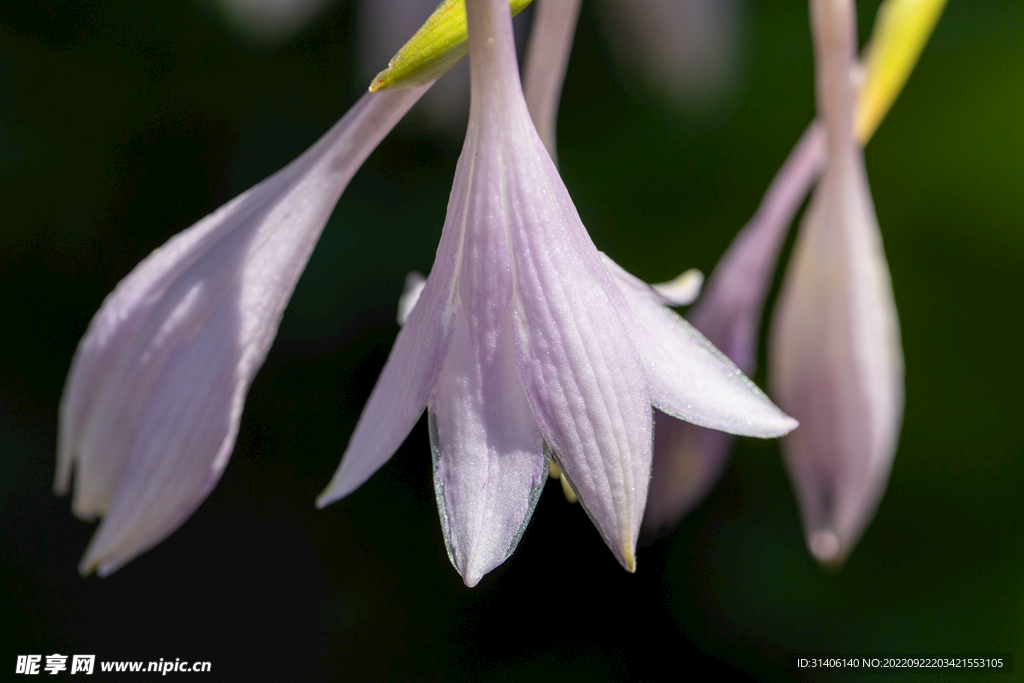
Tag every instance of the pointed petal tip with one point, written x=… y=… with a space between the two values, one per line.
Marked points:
x=103 y=565
x=477 y=566
x=87 y=566
x=106 y=559
x=340 y=486
x=771 y=423
x=787 y=425
x=763 y=421
x=329 y=495
x=766 y=420
x=628 y=557
x=688 y=378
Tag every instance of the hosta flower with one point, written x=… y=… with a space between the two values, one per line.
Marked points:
x=267 y=24
x=835 y=354
x=526 y=343
x=153 y=401
x=686 y=52
x=689 y=459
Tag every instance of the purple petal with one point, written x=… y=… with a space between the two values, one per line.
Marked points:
x=155 y=393
x=687 y=376
x=729 y=310
x=582 y=375
x=837 y=365
x=405 y=384
x=186 y=434
x=401 y=393
x=835 y=347
x=580 y=371
x=489 y=459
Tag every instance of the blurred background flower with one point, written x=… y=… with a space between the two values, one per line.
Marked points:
x=687 y=53
x=266 y=24
x=121 y=124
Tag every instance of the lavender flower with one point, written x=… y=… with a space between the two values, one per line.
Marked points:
x=527 y=344
x=153 y=401
x=267 y=24
x=835 y=347
x=685 y=52
x=687 y=459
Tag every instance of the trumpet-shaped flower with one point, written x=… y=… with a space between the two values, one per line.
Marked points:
x=526 y=343
x=686 y=52
x=688 y=459
x=835 y=353
x=155 y=394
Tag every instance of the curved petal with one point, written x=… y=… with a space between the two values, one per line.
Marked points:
x=579 y=366
x=155 y=393
x=687 y=376
x=584 y=382
x=189 y=425
x=838 y=367
x=579 y=369
x=401 y=393
x=729 y=310
x=683 y=290
x=403 y=389
x=489 y=458
x=835 y=347
x=688 y=460
x=490 y=463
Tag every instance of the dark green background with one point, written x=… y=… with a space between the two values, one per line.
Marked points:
x=122 y=123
